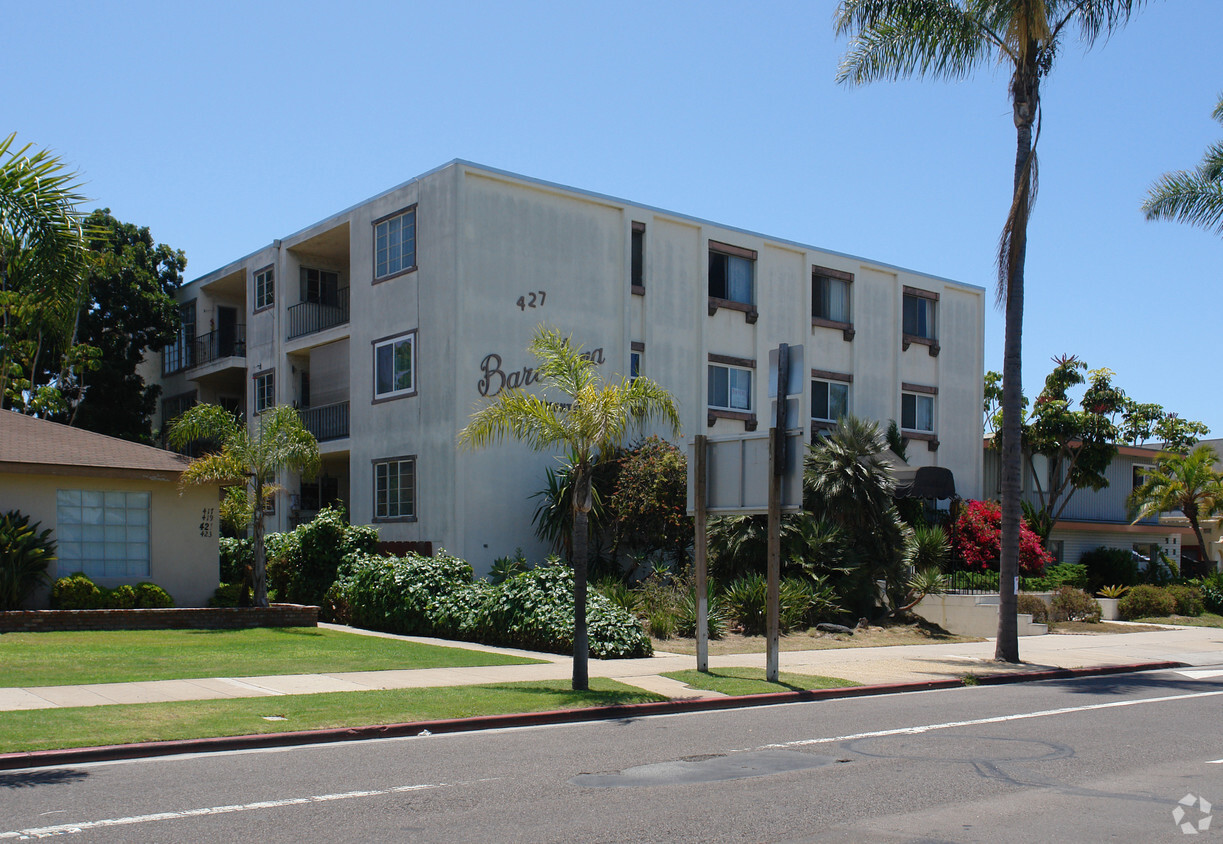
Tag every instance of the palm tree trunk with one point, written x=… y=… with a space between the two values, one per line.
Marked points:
x=261 y=569
x=1025 y=100
x=1201 y=568
x=581 y=644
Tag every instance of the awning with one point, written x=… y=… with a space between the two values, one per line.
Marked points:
x=924 y=482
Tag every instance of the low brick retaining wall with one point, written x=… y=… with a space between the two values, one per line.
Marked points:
x=186 y=618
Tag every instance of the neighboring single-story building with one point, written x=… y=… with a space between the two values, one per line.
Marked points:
x=114 y=507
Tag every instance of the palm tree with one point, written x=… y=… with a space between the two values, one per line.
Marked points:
x=42 y=257
x=1194 y=197
x=949 y=39
x=590 y=425
x=1184 y=482
x=246 y=461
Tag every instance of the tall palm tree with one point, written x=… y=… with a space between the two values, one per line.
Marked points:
x=949 y=39
x=42 y=258
x=1192 y=196
x=245 y=461
x=589 y=424
x=1184 y=482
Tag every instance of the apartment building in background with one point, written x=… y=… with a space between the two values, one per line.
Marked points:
x=389 y=323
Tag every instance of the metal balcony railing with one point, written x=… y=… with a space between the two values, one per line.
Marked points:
x=309 y=317
x=329 y=422
x=224 y=343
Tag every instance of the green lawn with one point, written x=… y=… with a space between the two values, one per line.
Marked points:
x=87 y=726
x=118 y=656
x=750 y=681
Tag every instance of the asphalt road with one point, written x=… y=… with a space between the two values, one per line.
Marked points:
x=1092 y=759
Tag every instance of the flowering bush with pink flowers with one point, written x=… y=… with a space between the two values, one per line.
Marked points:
x=976 y=539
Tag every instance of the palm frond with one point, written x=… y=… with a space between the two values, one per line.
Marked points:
x=893 y=39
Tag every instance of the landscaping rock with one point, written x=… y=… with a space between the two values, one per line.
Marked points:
x=826 y=627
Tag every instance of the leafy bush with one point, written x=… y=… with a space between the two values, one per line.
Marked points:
x=1146 y=601
x=237 y=559
x=226 y=595
x=715 y=612
x=25 y=554
x=977 y=535
x=302 y=564
x=649 y=504
x=122 y=597
x=618 y=592
x=1212 y=592
x=506 y=567
x=394 y=594
x=1070 y=604
x=1110 y=565
x=928 y=548
x=1188 y=600
x=661 y=623
x=1056 y=576
x=1160 y=571
x=76 y=592
x=800 y=599
x=1113 y=591
x=152 y=597
x=1033 y=606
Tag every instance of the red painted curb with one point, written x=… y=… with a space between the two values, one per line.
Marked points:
x=78 y=755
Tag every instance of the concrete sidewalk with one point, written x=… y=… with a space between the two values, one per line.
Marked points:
x=869 y=666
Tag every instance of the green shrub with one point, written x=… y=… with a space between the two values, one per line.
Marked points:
x=237 y=559
x=506 y=567
x=928 y=548
x=76 y=592
x=619 y=593
x=1057 y=576
x=150 y=596
x=1070 y=604
x=662 y=624
x=25 y=554
x=226 y=595
x=302 y=564
x=1212 y=592
x=1109 y=566
x=1034 y=606
x=1113 y=591
x=394 y=594
x=648 y=504
x=1160 y=571
x=800 y=599
x=715 y=617
x=120 y=598
x=1146 y=601
x=1188 y=600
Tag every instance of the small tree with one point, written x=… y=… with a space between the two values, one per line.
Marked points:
x=1184 y=482
x=246 y=460
x=590 y=423
x=650 y=499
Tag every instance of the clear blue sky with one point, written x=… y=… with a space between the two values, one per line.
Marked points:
x=224 y=125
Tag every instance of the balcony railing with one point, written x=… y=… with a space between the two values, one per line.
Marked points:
x=309 y=317
x=224 y=343
x=329 y=422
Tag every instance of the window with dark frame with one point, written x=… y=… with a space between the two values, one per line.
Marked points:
x=395 y=489
x=321 y=287
x=265 y=390
x=395 y=366
x=917 y=412
x=180 y=354
x=730 y=388
x=637 y=271
x=732 y=274
x=919 y=316
x=265 y=288
x=395 y=244
x=830 y=295
x=829 y=400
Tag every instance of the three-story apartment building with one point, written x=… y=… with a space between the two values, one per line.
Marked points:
x=389 y=323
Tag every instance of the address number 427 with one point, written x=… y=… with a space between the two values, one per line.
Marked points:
x=535 y=299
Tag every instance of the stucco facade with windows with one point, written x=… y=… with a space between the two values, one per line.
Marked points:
x=389 y=323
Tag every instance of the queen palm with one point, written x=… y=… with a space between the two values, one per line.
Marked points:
x=1184 y=482
x=949 y=39
x=588 y=424
x=245 y=460
x=1193 y=196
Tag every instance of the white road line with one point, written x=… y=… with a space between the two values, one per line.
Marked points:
x=998 y=719
x=1215 y=762
x=69 y=828
x=1202 y=673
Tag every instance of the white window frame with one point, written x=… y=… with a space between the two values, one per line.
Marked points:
x=265 y=288
x=410 y=339
x=103 y=533
x=265 y=390
x=830 y=384
x=728 y=369
x=918 y=398
x=383 y=511
x=390 y=260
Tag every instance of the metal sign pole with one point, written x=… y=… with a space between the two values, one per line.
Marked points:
x=699 y=553
x=777 y=465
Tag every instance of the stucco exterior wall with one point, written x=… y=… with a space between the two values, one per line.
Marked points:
x=183 y=529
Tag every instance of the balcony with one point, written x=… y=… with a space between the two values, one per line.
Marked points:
x=329 y=422
x=311 y=317
x=215 y=345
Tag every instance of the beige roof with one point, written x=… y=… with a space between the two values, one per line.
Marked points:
x=36 y=445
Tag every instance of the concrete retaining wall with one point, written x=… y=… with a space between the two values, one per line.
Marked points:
x=971 y=615
x=185 y=618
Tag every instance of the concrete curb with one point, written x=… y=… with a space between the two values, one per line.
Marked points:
x=79 y=755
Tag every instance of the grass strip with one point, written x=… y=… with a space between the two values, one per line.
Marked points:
x=1206 y=619
x=121 y=656
x=750 y=681
x=88 y=726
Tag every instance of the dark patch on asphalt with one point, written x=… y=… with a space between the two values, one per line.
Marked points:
x=737 y=766
x=58 y=776
x=947 y=747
